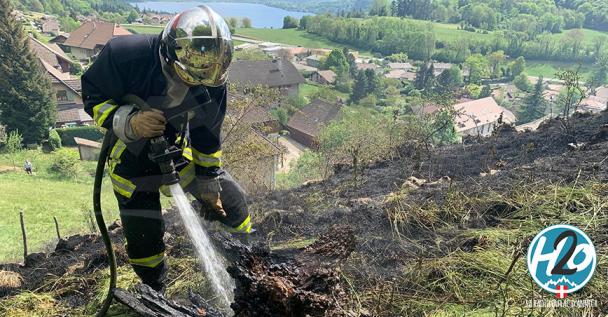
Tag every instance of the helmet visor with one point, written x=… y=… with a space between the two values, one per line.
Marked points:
x=203 y=47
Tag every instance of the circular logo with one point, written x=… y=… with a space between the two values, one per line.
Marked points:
x=561 y=259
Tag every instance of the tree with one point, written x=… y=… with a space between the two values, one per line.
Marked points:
x=478 y=68
x=233 y=23
x=486 y=91
x=352 y=62
x=133 y=16
x=449 y=79
x=534 y=105
x=246 y=23
x=337 y=62
x=360 y=87
x=598 y=76
x=13 y=144
x=290 y=22
x=398 y=58
x=380 y=8
x=518 y=66
x=522 y=82
x=26 y=101
x=496 y=59
x=374 y=84
x=445 y=128
x=360 y=136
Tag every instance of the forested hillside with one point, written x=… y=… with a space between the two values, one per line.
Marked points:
x=422 y=40
x=73 y=6
x=519 y=15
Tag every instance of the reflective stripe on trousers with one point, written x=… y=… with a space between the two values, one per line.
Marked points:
x=151 y=261
x=204 y=160
x=244 y=227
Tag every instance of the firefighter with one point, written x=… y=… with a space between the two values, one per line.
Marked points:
x=190 y=57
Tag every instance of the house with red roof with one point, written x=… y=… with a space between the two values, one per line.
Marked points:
x=91 y=37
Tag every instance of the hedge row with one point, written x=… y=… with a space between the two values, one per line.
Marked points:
x=86 y=132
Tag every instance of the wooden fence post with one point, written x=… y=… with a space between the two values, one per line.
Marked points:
x=24 y=235
x=57 y=227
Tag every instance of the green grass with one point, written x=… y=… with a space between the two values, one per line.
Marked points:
x=449 y=32
x=548 y=69
x=308 y=90
x=311 y=89
x=143 y=29
x=292 y=37
x=42 y=196
x=588 y=35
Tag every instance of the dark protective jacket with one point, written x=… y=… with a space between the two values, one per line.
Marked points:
x=131 y=65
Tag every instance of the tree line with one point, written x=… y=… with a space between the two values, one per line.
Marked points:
x=390 y=35
x=524 y=15
x=385 y=35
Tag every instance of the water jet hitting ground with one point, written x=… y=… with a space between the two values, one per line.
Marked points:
x=211 y=261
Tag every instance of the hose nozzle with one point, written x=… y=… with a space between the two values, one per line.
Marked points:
x=163 y=155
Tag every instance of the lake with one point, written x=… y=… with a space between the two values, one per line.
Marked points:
x=261 y=16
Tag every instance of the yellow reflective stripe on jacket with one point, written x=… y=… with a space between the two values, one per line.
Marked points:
x=102 y=111
x=151 y=261
x=244 y=227
x=207 y=160
x=117 y=150
x=121 y=185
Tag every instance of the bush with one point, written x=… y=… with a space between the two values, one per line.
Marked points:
x=65 y=163
x=86 y=132
x=54 y=140
x=309 y=166
x=3 y=135
x=522 y=82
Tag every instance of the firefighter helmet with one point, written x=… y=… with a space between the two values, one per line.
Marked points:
x=198 y=44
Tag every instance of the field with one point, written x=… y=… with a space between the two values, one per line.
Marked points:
x=42 y=196
x=548 y=69
x=446 y=32
x=143 y=29
x=589 y=36
x=291 y=37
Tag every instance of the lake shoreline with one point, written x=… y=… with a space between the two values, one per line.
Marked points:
x=261 y=15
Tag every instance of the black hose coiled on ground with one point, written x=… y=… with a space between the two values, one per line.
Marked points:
x=108 y=142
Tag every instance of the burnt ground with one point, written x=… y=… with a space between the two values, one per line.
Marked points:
x=309 y=268
x=500 y=163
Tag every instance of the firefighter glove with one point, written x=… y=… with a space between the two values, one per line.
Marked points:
x=148 y=123
x=209 y=193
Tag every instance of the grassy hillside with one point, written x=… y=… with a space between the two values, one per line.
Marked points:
x=290 y=37
x=42 y=196
x=548 y=69
x=143 y=29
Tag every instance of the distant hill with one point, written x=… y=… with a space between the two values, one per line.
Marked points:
x=68 y=7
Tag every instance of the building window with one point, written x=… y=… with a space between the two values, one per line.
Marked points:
x=62 y=95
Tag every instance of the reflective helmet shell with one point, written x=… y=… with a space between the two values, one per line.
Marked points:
x=198 y=44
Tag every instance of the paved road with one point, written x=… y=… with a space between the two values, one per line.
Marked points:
x=294 y=149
